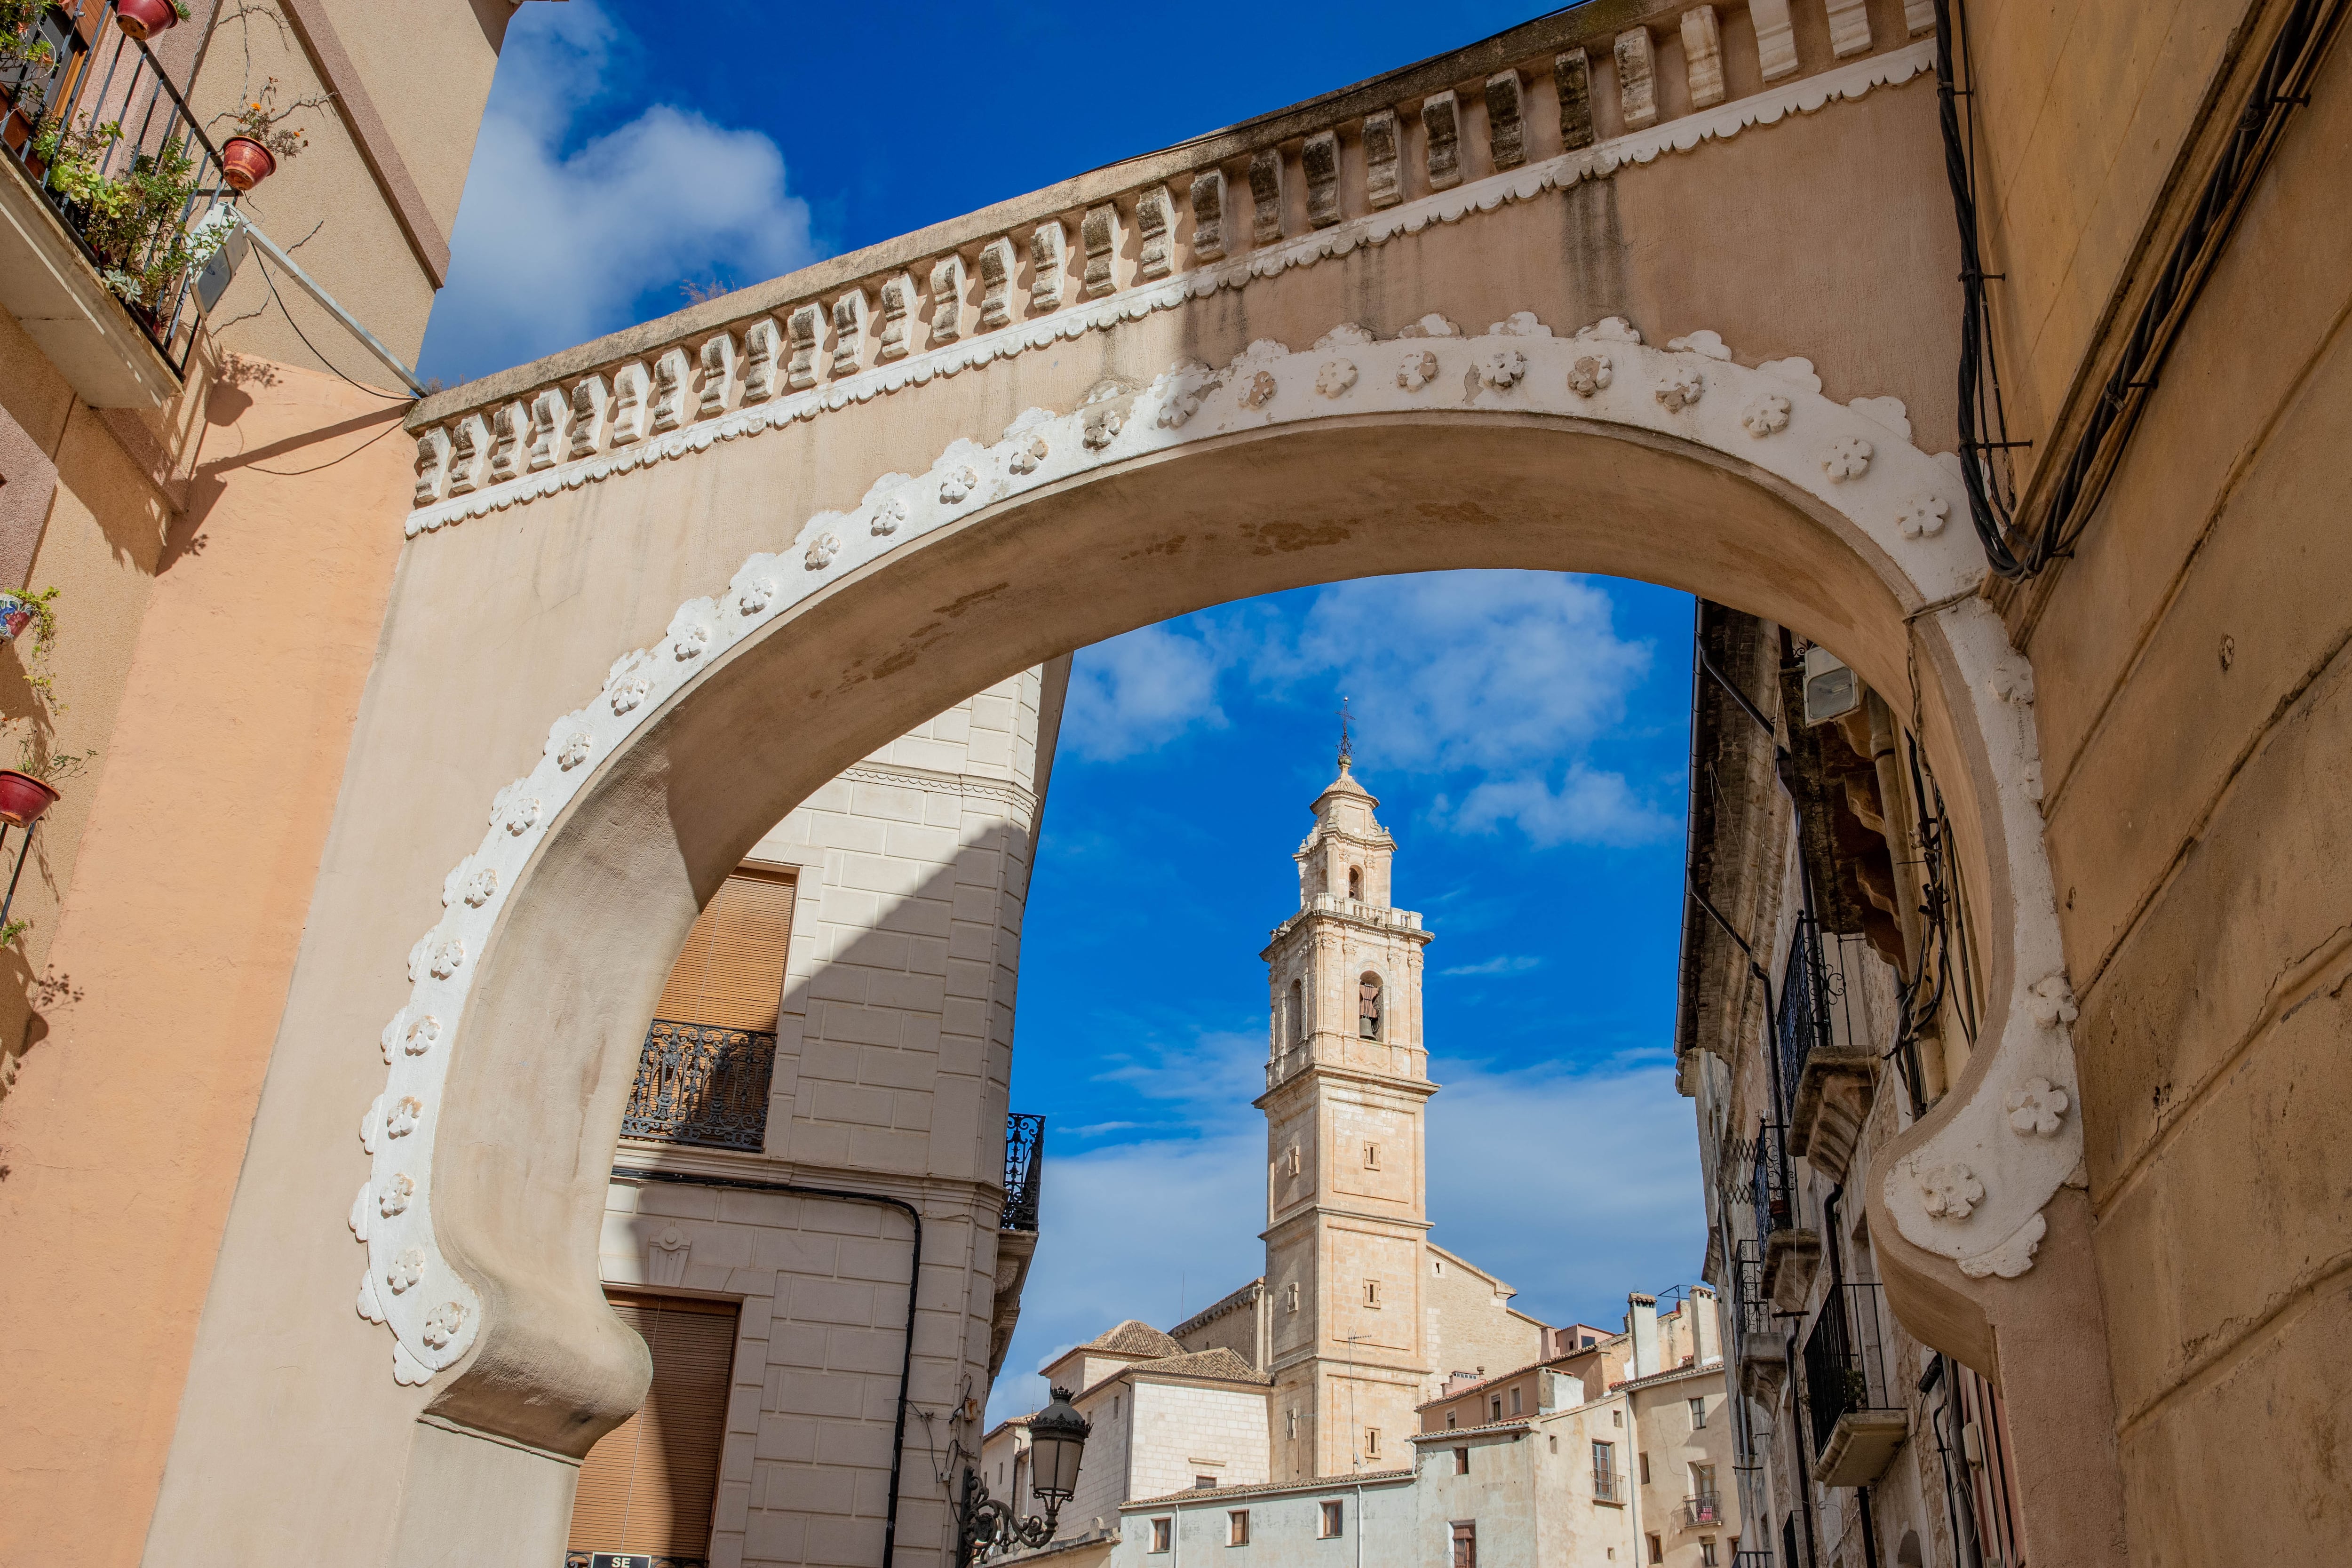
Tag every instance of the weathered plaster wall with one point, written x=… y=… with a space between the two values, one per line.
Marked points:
x=1467 y=1322
x=2195 y=719
x=195 y=844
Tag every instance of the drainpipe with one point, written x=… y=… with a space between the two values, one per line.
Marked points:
x=1633 y=1483
x=914 y=1286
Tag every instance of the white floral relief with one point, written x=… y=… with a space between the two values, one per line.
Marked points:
x=401 y=1120
x=690 y=643
x=1416 y=371
x=1923 y=517
x=1259 y=392
x=395 y=1197
x=1024 y=459
x=958 y=483
x=2053 y=1002
x=575 y=751
x=2035 y=1107
x=1335 y=377
x=448 y=956
x=888 y=517
x=1590 y=373
x=1503 y=369
x=821 y=552
x=515 y=810
x=422 y=1035
x=1767 y=415
x=757 y=595
x=2012 y=680
x=1847 y=458
x=1681 y=387
x=1951 y=1192
x=406 y=1270
x=1178 y=409
x=441 y=1325
x=1102 y=426
x=628 y=692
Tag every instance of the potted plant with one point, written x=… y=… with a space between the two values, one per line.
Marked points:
x=145 y=18
x=251 y=155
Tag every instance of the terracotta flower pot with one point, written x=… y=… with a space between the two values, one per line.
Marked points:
x=145 y=18
x=22 y=798
x=245 y=162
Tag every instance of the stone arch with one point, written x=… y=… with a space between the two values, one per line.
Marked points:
x=1355 y=457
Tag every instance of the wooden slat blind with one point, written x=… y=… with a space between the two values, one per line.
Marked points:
x=731 y=969
x=649 y=1484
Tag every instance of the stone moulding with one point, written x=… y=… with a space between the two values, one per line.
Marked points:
x=1002 y=335
x=436 y=1319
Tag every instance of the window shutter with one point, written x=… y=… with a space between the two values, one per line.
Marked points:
x=648 y=1484
x=731 y=969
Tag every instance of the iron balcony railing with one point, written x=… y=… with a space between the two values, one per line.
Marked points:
x=1769 y=1187
x=89 y=117
x=700 y=1084
x=1024 y=1170
x=1803 y=1026
x=1608 y=1486
x=1751 y=1314
x=1704 y=1511
x=1845 y=1359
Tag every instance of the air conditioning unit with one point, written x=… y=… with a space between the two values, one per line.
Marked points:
x=1832 y=689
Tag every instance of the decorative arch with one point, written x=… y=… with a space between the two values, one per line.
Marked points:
x=1354 y=457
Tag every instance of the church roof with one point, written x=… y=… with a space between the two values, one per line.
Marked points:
x=1135 y=1338
x=1345 y=784
x=1218 y=1363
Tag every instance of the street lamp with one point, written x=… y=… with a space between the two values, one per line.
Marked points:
x=1058 y=1438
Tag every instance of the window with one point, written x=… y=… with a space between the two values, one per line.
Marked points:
x=1554 y=1444
x=1465 y=1543
x=1164 y=1534
x=1114 y=1406
x=1645 y=1469
x=1368 y=1006
x=1698 y=1411
x=1290 y=1424
x=1604 y=1473
x=1355 y=882
x=1333 y=1520
x=1452 y=1420
x=1372 y=1294
x=1371 y=1442
x=1371 y=1156
x=1703 y=1483
x=1496 y=1406
x=1616 y=1418
x=1437 y=1266
x=1295 y=1164
x=1657 y=1549
x=648 y=1484
x=1588 y=1341
x=1706 y=1552
x=731 y=972
x=1515 y=1402
x=1237 y=1528
x=1461 y=1461
x=1290 y=1296
x=1204 y=1483
x=1297 y=1022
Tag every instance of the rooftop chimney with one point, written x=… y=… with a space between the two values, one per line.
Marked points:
x=1704 y=1324
x=1641 y=1322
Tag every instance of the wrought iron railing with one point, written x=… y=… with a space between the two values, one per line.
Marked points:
x=1845 y=1359
x=89 y=117
x=1024 y=1170
x=700 y=1084
x=1803 y=1026
x=1769 y=1187
x=1751 y=1314
x=1704 y=1511
x=1608 y=1486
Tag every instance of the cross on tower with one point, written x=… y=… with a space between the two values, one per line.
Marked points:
x=1347 y=745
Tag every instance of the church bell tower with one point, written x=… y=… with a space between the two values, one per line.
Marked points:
x=1346 y=1080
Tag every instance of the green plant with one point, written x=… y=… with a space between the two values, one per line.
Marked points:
x=21 y=45
x=132 y=219
x=34 y=761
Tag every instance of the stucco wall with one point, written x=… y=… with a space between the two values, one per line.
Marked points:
x=1467 y=1322
x=1185 y=1431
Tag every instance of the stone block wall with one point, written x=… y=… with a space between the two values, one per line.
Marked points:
x=1184 y=1431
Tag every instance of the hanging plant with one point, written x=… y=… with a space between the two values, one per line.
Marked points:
x=262 y=139
x=144 y=18
x=132 y=219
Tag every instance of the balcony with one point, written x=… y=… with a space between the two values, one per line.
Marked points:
x=1608 y=1487
x=1016 y=1234
x=1702 y=1512
x=1829 y=1080
x=1856 y=1424
x=1792 y=1253
x=702 y=1085
x=1759 y=1350
x=109 y=212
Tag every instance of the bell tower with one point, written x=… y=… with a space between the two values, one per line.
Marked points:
x=1347 y=1078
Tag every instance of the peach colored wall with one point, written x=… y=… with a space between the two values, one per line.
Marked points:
x=126 y=1127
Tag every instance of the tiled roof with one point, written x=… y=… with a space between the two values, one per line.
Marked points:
x=1218 y=1363
x=1134 y=1337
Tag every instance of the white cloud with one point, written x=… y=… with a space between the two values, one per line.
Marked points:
x=1140 y=691
x=1576 y=1187
x=1589 y=807
x=554 y=244
x=1501 y=964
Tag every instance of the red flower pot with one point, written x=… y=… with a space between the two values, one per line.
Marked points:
x=22 y=798
x=145 y=18
x=245 y=162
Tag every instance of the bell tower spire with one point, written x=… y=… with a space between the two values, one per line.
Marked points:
x=1346 y=1080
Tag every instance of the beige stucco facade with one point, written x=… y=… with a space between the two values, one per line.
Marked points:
x=2131 y=748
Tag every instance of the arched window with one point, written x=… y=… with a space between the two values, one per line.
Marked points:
x=1368 y=1006
x=1356 y=882
x=1298 y=1014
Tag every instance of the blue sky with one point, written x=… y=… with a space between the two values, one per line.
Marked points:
x=1525 y=733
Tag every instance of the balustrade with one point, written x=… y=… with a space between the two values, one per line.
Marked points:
x=702 y=1085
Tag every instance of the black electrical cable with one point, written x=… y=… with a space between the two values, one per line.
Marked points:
x=322 y=359
x=914 y=1295
x=347 y=456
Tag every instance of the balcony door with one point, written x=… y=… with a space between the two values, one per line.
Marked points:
x=707 y=1059
x=649 y=1485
